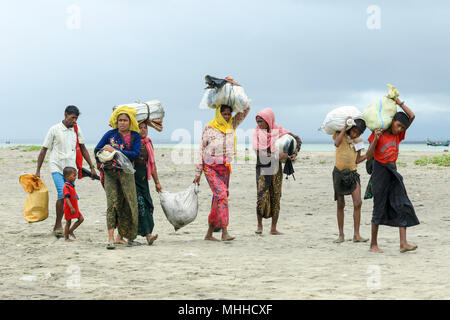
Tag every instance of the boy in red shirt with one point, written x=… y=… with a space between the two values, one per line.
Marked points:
x=70 y=203
x=391 y=205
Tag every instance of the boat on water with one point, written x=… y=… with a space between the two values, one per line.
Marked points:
x=438 y=143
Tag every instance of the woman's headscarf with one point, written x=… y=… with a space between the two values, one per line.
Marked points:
x=131 y=112
x=263 y=138
x=147 y=142
x=219 y=123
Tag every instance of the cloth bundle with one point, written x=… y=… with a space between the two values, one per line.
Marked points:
x=151 y=111
x=287 y=144
x=224 y=92
x=336 y=119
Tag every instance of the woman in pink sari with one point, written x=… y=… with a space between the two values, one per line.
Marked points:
x=269 y=175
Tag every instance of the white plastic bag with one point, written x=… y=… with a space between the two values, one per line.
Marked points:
x=337 y=118
x=283 y=144
x=180 y=208
x=124 y=163
x=229 y=94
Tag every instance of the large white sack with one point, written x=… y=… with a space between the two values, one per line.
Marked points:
x=142 y=108
x=337 y=118
x=229 y=94
x=180 y=208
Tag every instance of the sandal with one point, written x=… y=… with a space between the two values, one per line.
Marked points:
x=111 y=245
x=59 y=233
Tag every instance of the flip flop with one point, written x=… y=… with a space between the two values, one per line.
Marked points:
x=58 y=233
x=111 y=246
x=258 y=232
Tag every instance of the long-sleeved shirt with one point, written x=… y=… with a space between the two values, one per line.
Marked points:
x=218 y=147
x=114 y=139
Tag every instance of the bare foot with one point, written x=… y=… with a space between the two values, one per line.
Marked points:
x=375 y=249
x=340 y=239
x=227 y=238
x=407 y=247
x=120 y=240
x=69 y=240
x=151 y=239
x=275 y=232
x=211 y=238
x=358 y=238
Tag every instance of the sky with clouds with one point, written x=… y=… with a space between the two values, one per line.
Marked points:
x=300 y=58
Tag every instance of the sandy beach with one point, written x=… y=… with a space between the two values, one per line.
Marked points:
x=303 y=263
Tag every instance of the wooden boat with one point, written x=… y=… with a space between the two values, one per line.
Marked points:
x=438 y=143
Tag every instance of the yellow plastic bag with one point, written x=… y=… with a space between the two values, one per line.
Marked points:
x=380 y=113
x=36 y=204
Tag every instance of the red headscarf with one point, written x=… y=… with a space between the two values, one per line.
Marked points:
x=262 y=138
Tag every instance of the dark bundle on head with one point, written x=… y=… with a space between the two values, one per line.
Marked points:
x=223 y=107
x=72 y=110
x=68 y=171
x=402 y=117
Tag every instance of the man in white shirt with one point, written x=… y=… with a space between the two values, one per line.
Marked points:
x=61 y=140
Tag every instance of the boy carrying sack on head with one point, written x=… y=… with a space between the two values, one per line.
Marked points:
x=345 y=177
x=71 y=210
x=391 y=205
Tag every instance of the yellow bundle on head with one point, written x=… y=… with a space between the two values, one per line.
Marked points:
x=131 y=112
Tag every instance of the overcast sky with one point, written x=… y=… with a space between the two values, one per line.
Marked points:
x=300 y=58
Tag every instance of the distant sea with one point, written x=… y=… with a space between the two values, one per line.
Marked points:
x=405 y=146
